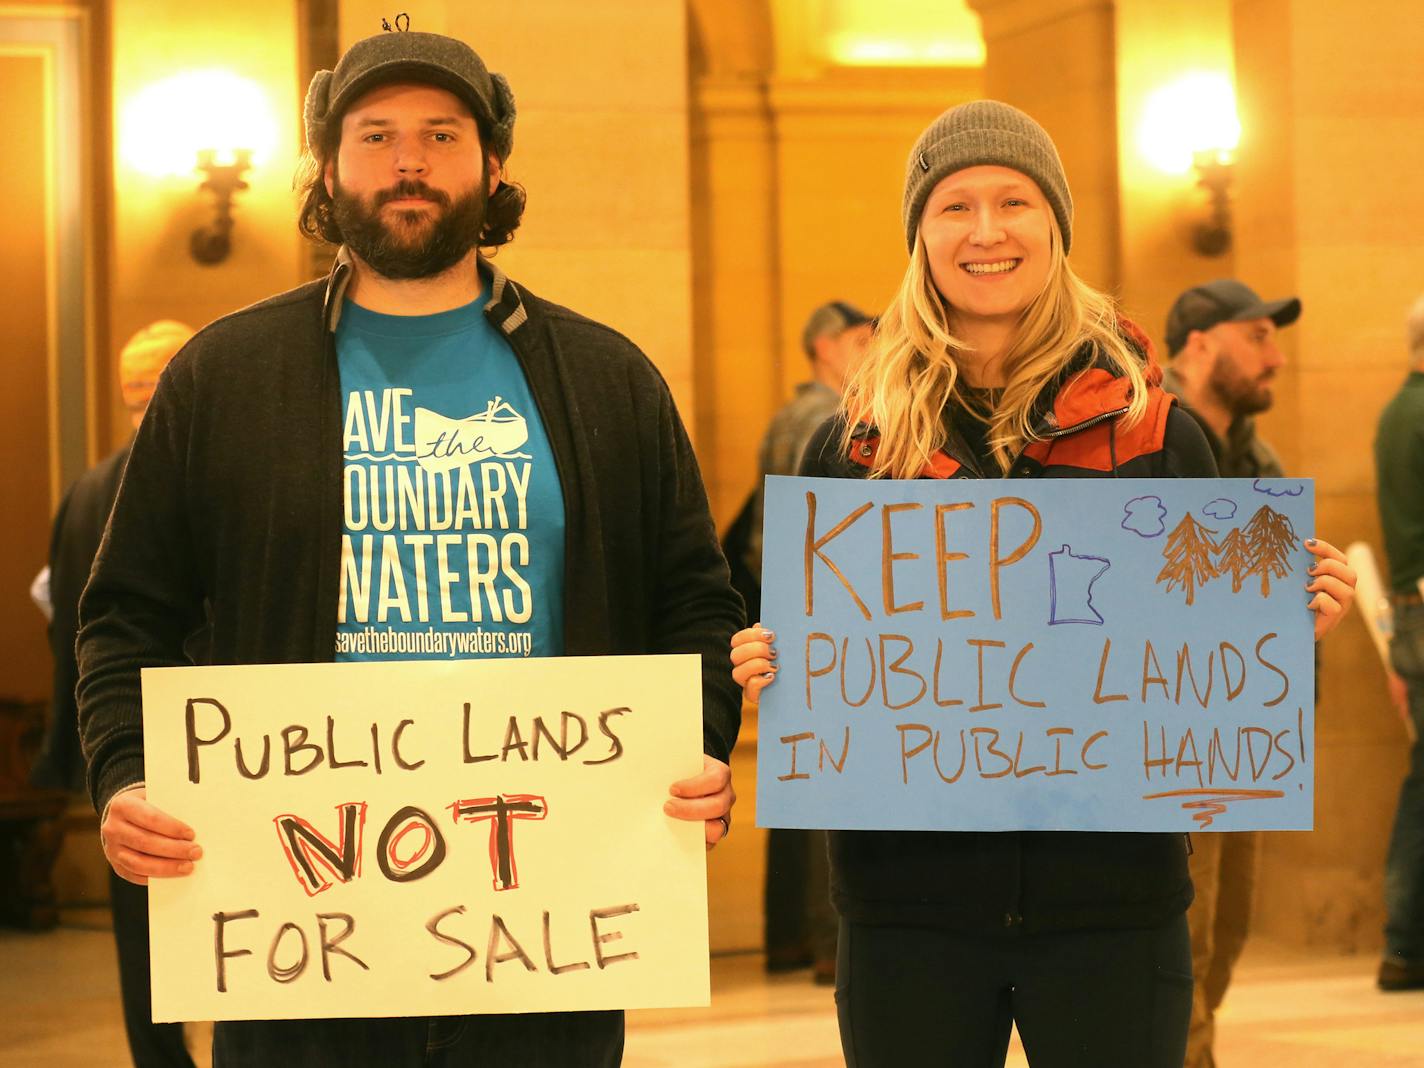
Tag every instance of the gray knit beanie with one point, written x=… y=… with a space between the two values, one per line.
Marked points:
x=978 y=133
x=428 y=58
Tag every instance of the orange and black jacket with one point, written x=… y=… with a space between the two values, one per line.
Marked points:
x=1029 y=880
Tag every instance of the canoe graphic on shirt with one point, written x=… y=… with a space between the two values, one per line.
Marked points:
x=443 y=444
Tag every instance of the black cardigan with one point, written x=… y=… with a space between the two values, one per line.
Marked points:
x=231 y=510
x=1027 y=880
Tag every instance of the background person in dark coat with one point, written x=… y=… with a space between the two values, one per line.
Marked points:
x=1399 y=464
x=78 y=529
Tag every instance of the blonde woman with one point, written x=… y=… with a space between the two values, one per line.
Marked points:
x=995 y=360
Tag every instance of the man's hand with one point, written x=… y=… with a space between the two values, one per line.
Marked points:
x=708 y=797
x=142 y=842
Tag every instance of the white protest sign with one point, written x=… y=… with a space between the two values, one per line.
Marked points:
x=398 y=839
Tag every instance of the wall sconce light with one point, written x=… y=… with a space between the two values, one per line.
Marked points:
x=1212 y=236
x=210 y=244
x=1191 y=125
x=213 y=119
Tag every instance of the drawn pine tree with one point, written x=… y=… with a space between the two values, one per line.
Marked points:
x=1189 y=554
x=1234 y=559
x=1270 y=540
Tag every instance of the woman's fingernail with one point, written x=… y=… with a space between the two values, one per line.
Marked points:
x=767 y=636
x=185 y=867
x=195 y=853
x=769 y=675
x=1310 y=541
x=773 y=654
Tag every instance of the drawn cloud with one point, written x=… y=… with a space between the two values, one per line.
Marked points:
x=1144 y=516
x=1221 y=508
x=1282 y=489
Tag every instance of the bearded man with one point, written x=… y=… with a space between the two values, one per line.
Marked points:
x=1222 y=340
x=265 y=480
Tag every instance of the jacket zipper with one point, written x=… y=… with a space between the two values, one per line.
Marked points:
x=1054 y=435
x=1086 y=423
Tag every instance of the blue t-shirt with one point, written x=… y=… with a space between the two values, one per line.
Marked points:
x=453 y=537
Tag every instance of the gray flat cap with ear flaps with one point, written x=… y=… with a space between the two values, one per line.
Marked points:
x=429 y=58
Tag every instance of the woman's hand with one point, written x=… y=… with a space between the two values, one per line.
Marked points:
x=753 y=661
x=1333 y=585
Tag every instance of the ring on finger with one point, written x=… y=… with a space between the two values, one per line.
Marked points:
x=726 y=825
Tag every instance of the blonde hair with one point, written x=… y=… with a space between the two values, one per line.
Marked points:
x=911 y=376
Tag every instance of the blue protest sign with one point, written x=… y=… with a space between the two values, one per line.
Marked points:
x=1085 y=654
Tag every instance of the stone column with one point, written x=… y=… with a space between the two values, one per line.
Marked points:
x=843 y=136
x=1055 y=59
x=736 y=261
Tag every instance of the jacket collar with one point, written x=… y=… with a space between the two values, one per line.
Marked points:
x=505 y=308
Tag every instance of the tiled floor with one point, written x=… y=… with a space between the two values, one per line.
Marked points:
x=60 y=1010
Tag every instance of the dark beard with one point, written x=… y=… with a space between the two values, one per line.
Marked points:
x=1237 y=393
x=446 y=239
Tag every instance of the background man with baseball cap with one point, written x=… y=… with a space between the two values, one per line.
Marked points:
x=834 y=338
x=605 y=543
x=800 y=927
x=1222 y=340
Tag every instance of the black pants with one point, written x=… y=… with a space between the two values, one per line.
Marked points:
x=151 y=1045
x=533 y=1040
x=909 y=997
